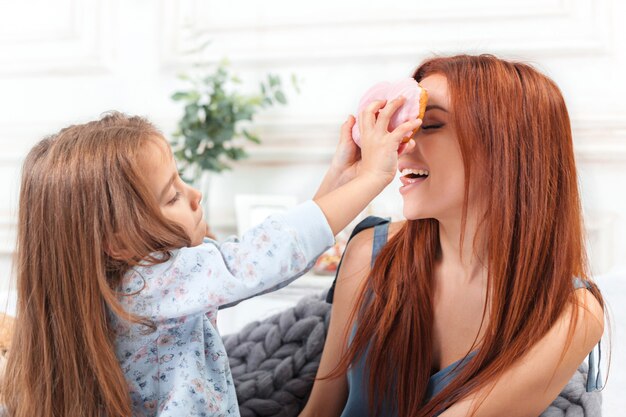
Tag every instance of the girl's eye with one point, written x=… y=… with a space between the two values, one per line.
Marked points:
x=175 y=199
x=432 y=126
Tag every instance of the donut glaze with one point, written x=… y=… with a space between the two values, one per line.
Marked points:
x=413 y=108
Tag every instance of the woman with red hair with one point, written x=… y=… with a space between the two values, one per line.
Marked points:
x=480 y=303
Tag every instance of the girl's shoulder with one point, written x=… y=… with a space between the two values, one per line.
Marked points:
x=175 y=262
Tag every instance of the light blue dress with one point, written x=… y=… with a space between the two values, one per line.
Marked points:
x=181 y=369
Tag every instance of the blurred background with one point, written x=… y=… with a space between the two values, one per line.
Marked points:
x=68 y=61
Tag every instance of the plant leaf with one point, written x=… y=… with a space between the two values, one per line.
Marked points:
x=280 y=97
x=274 y=80
x=251 y=137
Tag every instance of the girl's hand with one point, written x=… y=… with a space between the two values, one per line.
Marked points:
x=379 y=147
x=345 y=163
x=347 y=156
x=370 y=174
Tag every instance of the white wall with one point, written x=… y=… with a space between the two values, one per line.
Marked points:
x=64 y=61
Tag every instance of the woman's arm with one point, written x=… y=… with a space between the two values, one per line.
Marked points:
x=536 y=379
x=328 y=396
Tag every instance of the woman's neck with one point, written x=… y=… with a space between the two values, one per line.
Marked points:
x=464 y=259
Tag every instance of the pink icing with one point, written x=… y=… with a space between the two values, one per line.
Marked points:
x=407 y=87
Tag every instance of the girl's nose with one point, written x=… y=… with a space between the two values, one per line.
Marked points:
x=195 y=196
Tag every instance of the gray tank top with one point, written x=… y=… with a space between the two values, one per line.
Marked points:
x=357 y=404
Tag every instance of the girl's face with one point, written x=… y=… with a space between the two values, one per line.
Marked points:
x=178 y=201
x=432 y=174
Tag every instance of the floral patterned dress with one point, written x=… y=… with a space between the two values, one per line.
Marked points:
x=181 y=368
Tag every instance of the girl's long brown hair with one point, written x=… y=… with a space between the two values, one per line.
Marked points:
x=85 y=216
x=514 y=120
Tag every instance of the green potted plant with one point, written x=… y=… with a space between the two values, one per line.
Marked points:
x=216 y=119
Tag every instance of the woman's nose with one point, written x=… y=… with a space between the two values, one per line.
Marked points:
x=408 y=147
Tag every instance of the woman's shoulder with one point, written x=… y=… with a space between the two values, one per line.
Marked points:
x=395 y=227
x=360 y=246
x=591 y=311
x=357 y=258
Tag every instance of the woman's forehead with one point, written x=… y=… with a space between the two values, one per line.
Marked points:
x=437 y=87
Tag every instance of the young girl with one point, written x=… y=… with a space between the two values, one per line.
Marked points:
x=117 y=286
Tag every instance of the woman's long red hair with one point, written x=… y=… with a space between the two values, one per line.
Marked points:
x=514 y=120
x=83 y=199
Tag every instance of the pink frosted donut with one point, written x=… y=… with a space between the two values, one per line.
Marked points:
x=413 y=108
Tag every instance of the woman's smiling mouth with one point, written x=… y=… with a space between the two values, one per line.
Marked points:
x=410 y=176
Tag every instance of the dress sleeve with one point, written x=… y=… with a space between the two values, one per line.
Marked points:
x=201 y=278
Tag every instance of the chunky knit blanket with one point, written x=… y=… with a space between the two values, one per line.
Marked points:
x=274 y=362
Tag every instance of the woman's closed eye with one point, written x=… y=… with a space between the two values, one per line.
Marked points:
x=432 y=126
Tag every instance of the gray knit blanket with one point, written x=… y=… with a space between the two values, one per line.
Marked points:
x=274 y=362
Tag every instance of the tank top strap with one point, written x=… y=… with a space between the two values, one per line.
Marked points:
x=380 y=238
x=594 y=374
x=580 y=283
x=381 y=231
